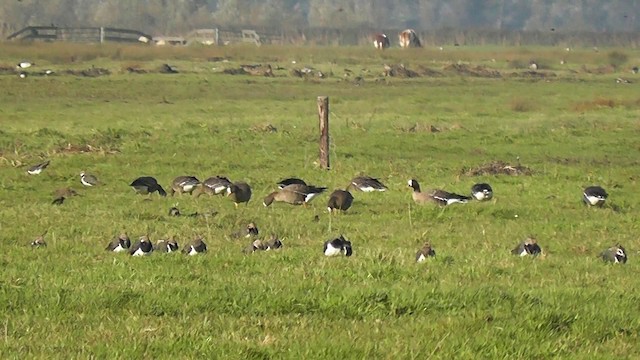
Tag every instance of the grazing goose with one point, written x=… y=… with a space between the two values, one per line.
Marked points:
x=39 y=241
x=146 y=185
x=528 y=247
x=196 y=247
x=425 y=252
x=239 y=192
x=184 y=184
x=37 y=169
x=337 y=246
x=367 y=184
x=615 y=254
x=339 y=200
x=119 y=244
x=438 y=196
x=294 y=194
x=594 y=196
x=290 y=181
x=215 y=185
x=166 y=246
x=142 y=247
x=482 y=192
x=88 y=179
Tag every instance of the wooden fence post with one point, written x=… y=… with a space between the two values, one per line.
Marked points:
x=323 y=116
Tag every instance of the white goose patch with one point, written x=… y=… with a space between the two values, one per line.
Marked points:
x=310 y=197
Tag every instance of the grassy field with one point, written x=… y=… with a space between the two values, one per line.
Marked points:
x=571 y=124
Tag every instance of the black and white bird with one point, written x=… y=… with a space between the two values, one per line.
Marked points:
x=88 y=179
x=255 y=245
x=615 y=254
x=438 y=196
x=338 y=246
x=197 y=246
x=482 y=191
x=184 y=184
x=425 y=252
x=38 y=168
x=273 y=243
x=594 y=196
x=366 y=184
x=215 y=185
x=166 y=246
x=251 y=230
x=120 y=244
x=174 y=211
x=23 y=75
x=39 y=241
x=142 y=247
x=290 y=181
x=24 y=65
x=528 y=247
x=147 y=185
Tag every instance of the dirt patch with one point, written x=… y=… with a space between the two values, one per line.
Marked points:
x=399 y=70
x=497 y=168
x=6 y=70
x=85 y=148
x=254 y=69
x=532 y=74
x=264 y=128
x=429 y=128
x=307 y=73
x=425 y=71
x=91 y=72
x=474 y=71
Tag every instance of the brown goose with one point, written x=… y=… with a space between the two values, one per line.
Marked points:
x=184 y=184
x=294 y=194
x=339 y=200
x=239 y=192
x=366 y=184
x=437 y=196
x=215 y=185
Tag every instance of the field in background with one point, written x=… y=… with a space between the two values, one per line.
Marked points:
x=572 y=124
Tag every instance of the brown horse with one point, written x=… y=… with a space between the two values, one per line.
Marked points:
x=380 y=41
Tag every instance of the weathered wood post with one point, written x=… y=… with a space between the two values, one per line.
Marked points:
x=323 y=116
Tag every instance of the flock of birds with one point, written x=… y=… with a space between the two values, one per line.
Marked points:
x=295 y=191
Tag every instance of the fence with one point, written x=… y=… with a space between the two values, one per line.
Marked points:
x=79 y=34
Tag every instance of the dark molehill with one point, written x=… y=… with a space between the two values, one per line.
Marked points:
x=399 y=70
x=91 y=72
x=474 y=71
x=497 y=168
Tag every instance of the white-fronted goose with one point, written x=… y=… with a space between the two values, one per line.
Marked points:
x=239 y=192
x=215 y=185
x=594 y=196
x=482 y=191
x=294 y=194
x=197 y=246
x=120 y=243
x=142 y=247
x=615 y=254
x=337 y=246
x=146 y=185
x=366 y=184
x=88 y=179
x=290 y=181
x=37 y=169
x=184 y=184
x=438 y=196
x=528 y=247
x=425 y=252
x=339 y=200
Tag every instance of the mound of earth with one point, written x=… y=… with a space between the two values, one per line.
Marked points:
x=497 y=168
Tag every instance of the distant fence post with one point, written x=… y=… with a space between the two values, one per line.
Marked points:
x=101 y=34
x=323 y=116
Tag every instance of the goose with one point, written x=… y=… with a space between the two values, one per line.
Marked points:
x=25 y=65
x=482 y=191
x=23 y=75
x=120 y=243
x=146 y=185
x=142 y=247
x=197 y=246
x=339 y=200
x=166 y=246
x=615 y=254
x=88 y=179
x=528 y=247
x=215 y=185
x=294 y=194
x=337 y=246
x=438 y=196
x=366 y=184
x=594 y=196
x=425 y=252
x=239 y=192
x=290 y=181
x=184 y=184
x=37 y=169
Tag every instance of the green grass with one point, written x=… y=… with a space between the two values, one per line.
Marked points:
x=474 y=300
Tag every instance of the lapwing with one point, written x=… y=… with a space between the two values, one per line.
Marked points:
x=615 y=254
x=146 y=185
x=339 y=200
x=24 y=65
x=65 y=192
x=39 y=241
x=366 y=184
x=215 y=185
x=482 y=191
x=88 y=179
x=255 y=245
x=120 y=244
x=59 y=200
x=528 y=247
x=294 y=194
x=425 y=252
x=594 y=196
x=290 y=181
x=273 y=243
x=239 y=192
x=438 y=196
x=338 y=246
x=251 y=230
x=38 y=168
x=174 y=211
x=197 y=246
x=166 y=246
x=142 y=247
x=184 y=184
